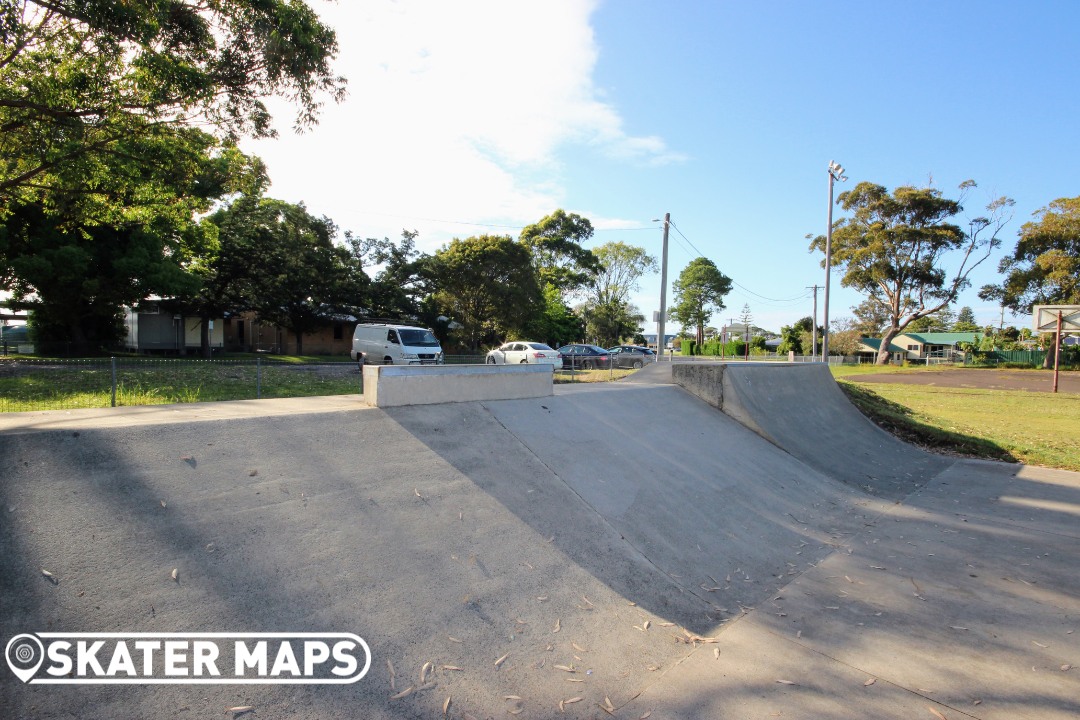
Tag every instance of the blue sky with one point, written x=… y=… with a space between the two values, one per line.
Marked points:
x=484 y=116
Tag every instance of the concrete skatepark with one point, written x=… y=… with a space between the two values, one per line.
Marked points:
x=723 y=541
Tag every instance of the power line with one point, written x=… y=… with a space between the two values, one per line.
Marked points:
x=701 y=254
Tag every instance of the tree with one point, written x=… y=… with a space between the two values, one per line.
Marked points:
x=80 y=78
x=303 y=279
x=556 y=323
x=965 y=321
x=871 y=316
x=745 y=317
x=609 y=323
x=404 y=280
x=893 y=247
x=76 y=260
x=797 y=337
x=845 y=336
x=940 y=321
x=487 y=284
x=699 y=290
x=1044 y=268
x=607 y=301
x=555 y=244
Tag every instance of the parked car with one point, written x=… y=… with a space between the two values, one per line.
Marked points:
x=385 y=344
x=585 y=357
x=523 y=352
x=631 y=356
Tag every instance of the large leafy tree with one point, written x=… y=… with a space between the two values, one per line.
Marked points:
x=893 y=249
x=556 y=247
x=607 y=310
x=302 y=279
x=1044 y=269
x=488 y=285
x=699 y=291
x=403 y=281
x=78 y=78
x=76 y=259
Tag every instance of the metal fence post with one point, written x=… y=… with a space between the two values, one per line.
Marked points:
x=258 y=378
x=112 y=362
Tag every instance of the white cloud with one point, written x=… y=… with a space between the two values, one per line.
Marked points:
x=456 y=111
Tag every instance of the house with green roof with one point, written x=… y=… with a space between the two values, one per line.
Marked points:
x=912 y=347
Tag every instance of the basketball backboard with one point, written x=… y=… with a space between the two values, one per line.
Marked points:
x=1045 y=318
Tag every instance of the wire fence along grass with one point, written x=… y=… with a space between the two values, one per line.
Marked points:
x=68 y=384
x=28 y=384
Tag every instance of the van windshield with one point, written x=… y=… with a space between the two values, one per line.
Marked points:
x=418 y=338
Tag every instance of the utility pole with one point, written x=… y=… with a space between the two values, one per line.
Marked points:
x=663 y=294
x=813 y=328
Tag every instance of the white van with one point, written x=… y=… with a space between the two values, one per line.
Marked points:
x=384 y=344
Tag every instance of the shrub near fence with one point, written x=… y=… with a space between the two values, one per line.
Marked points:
x=53 y=384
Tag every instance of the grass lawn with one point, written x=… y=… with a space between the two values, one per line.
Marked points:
x=590 y=376
x=1017 y=425
x=88 y=384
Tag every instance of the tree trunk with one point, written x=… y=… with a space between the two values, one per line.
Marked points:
x=886 y=340
x=1051 y=352
x=299 y=343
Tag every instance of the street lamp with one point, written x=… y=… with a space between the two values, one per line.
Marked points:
x=836 y=173
x=663 y=292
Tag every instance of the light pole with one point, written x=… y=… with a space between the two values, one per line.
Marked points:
x=836 y=172
x=663 y=293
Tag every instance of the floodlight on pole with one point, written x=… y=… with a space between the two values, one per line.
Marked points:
x=836 y=173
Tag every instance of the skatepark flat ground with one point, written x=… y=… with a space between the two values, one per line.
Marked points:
x=627 y=541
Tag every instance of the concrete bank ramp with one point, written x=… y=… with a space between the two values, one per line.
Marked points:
x=800 y=408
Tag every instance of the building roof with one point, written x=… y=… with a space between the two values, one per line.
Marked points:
x=941 y=338
x=875 y=345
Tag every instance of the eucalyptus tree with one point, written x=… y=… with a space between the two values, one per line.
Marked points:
x=606 y=308
x=894 y=248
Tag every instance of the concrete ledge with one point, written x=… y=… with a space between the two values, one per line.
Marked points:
x=392 y=385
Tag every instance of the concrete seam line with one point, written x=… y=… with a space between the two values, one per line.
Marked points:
x=876 y=676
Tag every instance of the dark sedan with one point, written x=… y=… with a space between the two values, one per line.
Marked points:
x=585 y=357
x=631 y=356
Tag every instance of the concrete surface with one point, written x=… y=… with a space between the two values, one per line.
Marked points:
x=609 y=529
x=395 y=385
x=800 y=408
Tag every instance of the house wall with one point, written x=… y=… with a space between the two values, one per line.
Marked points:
x=193 y=333
x=331 y=340
x=244 y=333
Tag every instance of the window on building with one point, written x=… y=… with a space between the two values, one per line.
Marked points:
x=339 y=331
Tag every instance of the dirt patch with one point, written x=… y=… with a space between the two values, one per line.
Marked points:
x=980 y=378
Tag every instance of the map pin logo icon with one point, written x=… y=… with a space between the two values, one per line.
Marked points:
x=24 y=655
